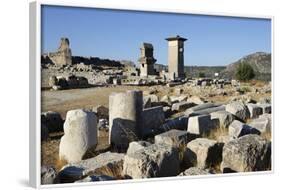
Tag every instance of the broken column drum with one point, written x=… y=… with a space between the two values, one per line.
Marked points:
x=125 y=112
x=176 y=57
x=146 y=60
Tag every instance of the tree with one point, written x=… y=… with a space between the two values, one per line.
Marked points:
x=201 y=75
x=244 y=72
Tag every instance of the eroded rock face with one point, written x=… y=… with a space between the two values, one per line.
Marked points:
x=203 y=153
x=245 y=154
x=238 y=129
x=194 y=171
x=80 y=135
x=238 y=109
x=224 y=117
x=157 y=160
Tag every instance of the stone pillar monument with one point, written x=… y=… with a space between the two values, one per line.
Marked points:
x=125 y=112
x=175 y=57
x=146 y=60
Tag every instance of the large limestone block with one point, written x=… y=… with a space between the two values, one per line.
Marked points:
x=204 y=106
x=196 y=100
x=200 y=125
x=157 y=160
x=255 y=110
x=179 y=123
x=125 y=117
x=238 y=129
x=108 y=161
x=224 y=117
x=80 y=135
x=238 y=109
x=262 y=124
x=245 y=154
x=176 y=138
x=137 y=145
x=203 y=153
x=194 y=171
x=181 y=106
x=52 y=120
x=152 y=119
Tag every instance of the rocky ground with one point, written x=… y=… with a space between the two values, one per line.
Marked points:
x=225 y=129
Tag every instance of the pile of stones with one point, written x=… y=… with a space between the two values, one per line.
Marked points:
x=69 y=82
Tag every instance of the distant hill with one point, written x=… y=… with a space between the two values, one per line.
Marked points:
x=260 y=61
x=193 y=71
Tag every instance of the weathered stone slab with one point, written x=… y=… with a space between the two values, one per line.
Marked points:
x=189 y=111
x=238 y=109
x=179 y=123
x=176 y=138
x=262 y=124
x=157 y=160
x=80 y=135
x=208 y=111
x=200 y=125
x=224 y=117
x=108 y=160
x=238 y=129
x=181 y=106
x=255 y=110
x=196 y=100
x=70 y=174
x=246 y=154
x=137 y=145
x=152 y=119
x=203 y=153
x=195 y=171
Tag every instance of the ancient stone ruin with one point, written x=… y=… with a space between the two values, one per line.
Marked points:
x=175 y=57
x=146 y=60
x=63 y=55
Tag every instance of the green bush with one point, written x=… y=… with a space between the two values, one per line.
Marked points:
x=244 y=72
x=201 y=75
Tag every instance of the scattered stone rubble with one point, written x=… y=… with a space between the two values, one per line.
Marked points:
x=150 y=135
x=147 y=143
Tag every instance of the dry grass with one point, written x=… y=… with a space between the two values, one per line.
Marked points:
x=112 y=170
x=266 y=135
x=59 y=163
x=216 y=133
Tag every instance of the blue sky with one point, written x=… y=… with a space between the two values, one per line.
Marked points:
x=117 y=35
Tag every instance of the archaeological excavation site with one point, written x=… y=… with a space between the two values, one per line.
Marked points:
x=106 y=119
